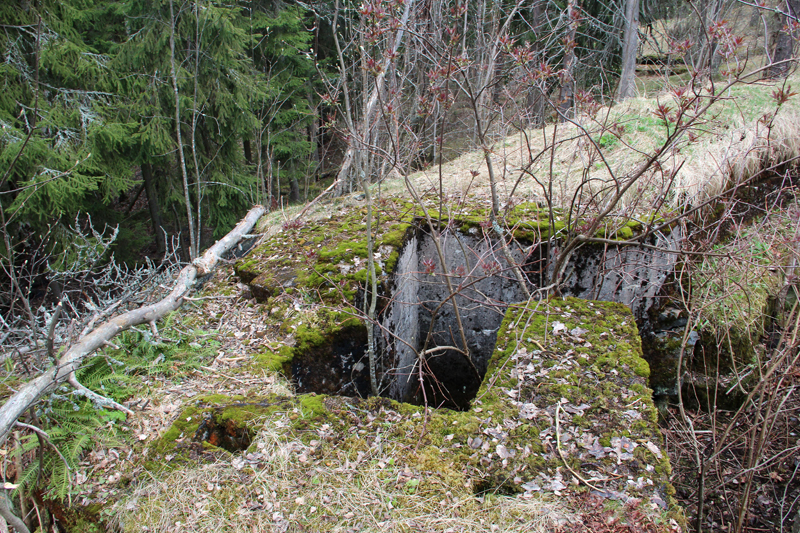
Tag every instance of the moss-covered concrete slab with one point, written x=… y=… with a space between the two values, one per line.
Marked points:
x=567 y=386
x=563 y=409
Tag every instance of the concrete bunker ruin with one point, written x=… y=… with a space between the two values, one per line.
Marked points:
x=419 y=347
x=420 y=354
x=419 y=335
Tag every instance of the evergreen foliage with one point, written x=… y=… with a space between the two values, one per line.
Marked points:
x=87 y=98
x=55 y=112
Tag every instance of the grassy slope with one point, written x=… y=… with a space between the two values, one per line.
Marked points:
x=360 y=475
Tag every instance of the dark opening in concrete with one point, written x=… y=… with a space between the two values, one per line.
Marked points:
x=223 y=433
x=338 y=366
x=423 y=353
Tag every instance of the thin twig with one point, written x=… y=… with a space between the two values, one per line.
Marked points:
x=43 y=434
x=51 y=333
x=209 y=369
x=564 y=459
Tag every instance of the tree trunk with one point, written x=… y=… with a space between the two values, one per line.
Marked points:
x=294 y=190
x=784 y=41
x=195 y=113
x=155 y=211
x=536 y=101
x=174 y=76
x=72 y=359
x=275 y=184
x=343 y=179
x=630 y=47
x=248 y=153
x=567 y=92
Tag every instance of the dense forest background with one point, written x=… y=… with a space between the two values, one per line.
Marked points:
x=198 y=110
x=134 y=133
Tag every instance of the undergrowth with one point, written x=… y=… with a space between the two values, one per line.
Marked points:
x=73 y=425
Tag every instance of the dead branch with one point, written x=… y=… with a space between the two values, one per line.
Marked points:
x=51 y=332
x=10 y=517
x=26 y=396
x=97 y=399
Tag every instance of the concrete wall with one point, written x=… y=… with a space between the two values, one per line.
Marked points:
x=398 y=337
x=484 y=285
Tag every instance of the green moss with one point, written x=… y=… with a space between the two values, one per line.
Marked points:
x=615 y=350
x=241 y=415
x=640 y=367
x=391 y=261
x=183 y=427
x=396 y=237
x=313 y=332
x=233 y=411
x=343 y=251
x=275 y=361
x=312 y=405
x=537 y=231
x=624 y=233
x=247 y=269
x=308 y=337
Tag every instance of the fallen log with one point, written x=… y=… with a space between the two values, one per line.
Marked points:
x=71 y=361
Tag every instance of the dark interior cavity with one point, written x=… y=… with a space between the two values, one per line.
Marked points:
x=337 y=366
x=423 y=355
x=223 y=434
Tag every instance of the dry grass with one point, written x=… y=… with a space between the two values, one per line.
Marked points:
x=733 y=143
x=293 y=484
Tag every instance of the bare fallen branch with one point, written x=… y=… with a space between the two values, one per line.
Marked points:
x=71 y=361
x=10 y=517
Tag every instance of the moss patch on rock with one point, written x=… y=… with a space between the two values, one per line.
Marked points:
x=566 y=394
x=213 y=425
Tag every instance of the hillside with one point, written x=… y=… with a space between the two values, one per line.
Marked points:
x=518 y=303
x=561 y=434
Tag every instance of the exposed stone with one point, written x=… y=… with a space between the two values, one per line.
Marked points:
x=422 y=316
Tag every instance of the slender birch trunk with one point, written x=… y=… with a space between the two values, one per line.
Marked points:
x=198 y=187
x=174 y=75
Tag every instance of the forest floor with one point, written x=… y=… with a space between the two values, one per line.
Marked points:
x=354 y=477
